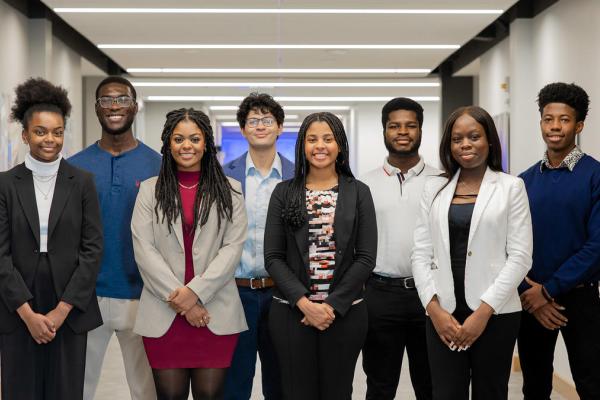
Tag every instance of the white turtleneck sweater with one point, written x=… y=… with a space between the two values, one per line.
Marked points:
x=44 y=182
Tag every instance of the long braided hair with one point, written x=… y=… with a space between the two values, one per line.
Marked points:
x=294 y=211
x=213 y=185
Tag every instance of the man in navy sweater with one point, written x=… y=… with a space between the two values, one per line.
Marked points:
x=561 y=290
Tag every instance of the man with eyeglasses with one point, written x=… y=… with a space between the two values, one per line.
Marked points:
x=119 y=163
x=396 y=316
x=259 y=170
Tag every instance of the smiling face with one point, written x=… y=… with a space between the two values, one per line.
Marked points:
x=402 y=133
x=261 y=136
x=45 y=135
x=320 y=148
x=468 y=144
x=559 y=127
x=116 y=119
x=187 y=146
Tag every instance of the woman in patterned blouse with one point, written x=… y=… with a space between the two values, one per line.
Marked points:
x=320 y=248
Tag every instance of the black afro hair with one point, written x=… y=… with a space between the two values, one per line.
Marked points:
x=36 y=95
x=565 y=93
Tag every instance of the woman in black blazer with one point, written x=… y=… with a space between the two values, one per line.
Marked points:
x=320 y=248
x=50 y=249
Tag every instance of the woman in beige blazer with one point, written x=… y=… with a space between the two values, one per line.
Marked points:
x=188 y=227
x=472 y=249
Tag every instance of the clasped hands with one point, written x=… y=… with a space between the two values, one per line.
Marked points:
x=185 y=302
x=544 y=309
x=43 y=328
x=451 y=332
x=318 y=315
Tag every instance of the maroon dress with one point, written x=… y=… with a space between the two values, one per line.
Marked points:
x=184 y=346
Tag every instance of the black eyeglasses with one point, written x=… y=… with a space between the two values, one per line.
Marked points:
x=266 y=121
x=121 y=101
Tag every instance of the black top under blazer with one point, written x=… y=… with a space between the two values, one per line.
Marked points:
x=74 y=244
x=355 y=227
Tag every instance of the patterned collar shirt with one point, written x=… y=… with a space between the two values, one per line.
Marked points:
x=397 y=198
x=568 y=162
x=257 y=196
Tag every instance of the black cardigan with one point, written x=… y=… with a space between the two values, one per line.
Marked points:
x=355 y=227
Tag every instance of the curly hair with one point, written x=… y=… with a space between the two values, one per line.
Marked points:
x=262 y=102
x=213 y=187
x=38 y=95
x=294 y=211
x=567 y=93
x=401 y=103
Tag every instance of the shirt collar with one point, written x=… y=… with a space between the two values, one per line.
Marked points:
x=414 y=171
x=275 y=168
x=568 y=162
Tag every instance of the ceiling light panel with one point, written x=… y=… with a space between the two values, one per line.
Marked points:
x=338 y=99
x=141 y=10
x=286 y=84
x=280 y=70
x=133 y=46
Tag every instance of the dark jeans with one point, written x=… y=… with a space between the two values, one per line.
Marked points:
x=486 y=365
x=238 y=384
x=317 y=365
x=396 y=322
x=582 y=339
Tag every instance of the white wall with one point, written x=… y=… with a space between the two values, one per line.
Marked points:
x=557 y=45
x=27 y=48
x=370 y=150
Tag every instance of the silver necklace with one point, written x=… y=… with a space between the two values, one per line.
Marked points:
x=188 y=187
x=44 y=194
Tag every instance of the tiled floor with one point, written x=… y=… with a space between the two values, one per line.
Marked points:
x=114 y=387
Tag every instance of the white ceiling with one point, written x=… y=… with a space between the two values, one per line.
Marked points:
x=191 y=28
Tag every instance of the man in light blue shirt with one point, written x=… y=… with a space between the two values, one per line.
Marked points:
x=259 y=170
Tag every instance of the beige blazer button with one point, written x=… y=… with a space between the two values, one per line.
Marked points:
x=469 y=253
x=196 y=252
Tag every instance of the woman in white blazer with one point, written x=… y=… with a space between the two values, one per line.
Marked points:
x=472 y=248
x=189 y=226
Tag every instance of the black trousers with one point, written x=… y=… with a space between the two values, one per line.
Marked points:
x=396 y=322
x=317 y=365
x=582 y=339
x=486 y=365
x=53 y=371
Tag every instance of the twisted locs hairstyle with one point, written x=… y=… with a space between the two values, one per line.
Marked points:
x=213 y=186
x=294 y=211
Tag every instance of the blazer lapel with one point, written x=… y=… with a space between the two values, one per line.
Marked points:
x=485 y=194
x=446 y=196
x=62 y=190
x=343 y=223
x=178 y=230
x=237 y=170
x=26 y=195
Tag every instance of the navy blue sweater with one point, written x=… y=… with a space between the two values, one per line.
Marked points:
x=565 y=211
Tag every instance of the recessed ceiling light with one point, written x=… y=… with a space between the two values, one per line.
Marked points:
x=131 y=10
x=280 y=70
x=288 y=108
x=284 y=46
x=232 y=116
x=289 y=98
x=285 y=124
x=285 y=84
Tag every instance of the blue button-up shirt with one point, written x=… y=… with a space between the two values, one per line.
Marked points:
x=258 y=194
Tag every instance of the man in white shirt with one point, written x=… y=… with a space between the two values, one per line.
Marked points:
x=396 y=316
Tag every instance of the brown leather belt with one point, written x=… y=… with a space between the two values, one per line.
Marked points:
x=255 y=283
